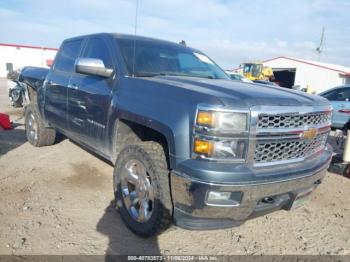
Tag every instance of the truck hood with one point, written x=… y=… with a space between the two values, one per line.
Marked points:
x=240 y=94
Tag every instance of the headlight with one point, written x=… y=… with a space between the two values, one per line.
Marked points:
x=221 y=135
x=225 y=122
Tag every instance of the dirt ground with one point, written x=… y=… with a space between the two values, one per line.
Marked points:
x=57 y=200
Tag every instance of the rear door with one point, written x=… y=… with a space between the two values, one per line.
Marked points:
x=55 y=107
x=340 y=100
x=89 y=97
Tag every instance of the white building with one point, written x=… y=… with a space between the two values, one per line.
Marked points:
x=304 y=73
x=13 y=57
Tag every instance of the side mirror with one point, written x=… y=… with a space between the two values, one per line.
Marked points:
x=92 y=66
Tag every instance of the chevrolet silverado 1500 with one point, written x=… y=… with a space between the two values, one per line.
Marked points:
x=186 y=142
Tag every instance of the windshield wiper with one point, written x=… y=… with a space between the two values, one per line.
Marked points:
x=151 y=74
x=148 y=74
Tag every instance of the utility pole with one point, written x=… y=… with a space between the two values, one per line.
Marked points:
x=320 y=48
x=135 y=32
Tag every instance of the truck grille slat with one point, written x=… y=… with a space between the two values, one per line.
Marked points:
x=293 y=120
x=271 y=151
x=287 y=150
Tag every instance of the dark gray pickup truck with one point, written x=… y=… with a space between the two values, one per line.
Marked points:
x=187 y=142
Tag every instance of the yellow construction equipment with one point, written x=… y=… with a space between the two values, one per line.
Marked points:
x=257 y=71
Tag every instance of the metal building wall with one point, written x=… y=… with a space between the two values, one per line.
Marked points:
x=24 y=56
x=319 y=78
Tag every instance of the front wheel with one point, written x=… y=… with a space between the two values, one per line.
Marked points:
x=141 y=187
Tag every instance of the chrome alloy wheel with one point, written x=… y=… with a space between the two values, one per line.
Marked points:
x=32 y=129
x=137 y=191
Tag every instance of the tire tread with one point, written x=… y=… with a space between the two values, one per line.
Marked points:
x=46 y=136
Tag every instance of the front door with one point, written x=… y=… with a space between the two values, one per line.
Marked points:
x=89 y=98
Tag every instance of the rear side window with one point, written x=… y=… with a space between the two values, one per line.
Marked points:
x=97 y=48
x=67 y=55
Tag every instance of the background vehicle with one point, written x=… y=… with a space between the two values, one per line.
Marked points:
x=29 y=76
x=257 y=71
x=15 y=89
x=238 y=77
x=179 y=131
x=340 y=100
x=17 y=94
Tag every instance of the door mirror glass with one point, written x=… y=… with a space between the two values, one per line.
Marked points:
x=92 y=66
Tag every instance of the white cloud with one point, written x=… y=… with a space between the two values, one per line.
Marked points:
x=7 y=13
x=229 y=31
x=280 y=43
x=306 y=45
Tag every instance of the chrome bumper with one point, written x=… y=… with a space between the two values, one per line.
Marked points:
x=192 y=211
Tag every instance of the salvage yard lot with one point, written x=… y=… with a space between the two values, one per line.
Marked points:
x=57 y=200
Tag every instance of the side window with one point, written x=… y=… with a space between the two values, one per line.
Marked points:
x=67 y=55
x=329 y=94
x=97 y=48
x=346 y=94
x=341 y=94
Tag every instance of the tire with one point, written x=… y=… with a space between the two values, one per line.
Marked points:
x=147 y=161
x=37 y=134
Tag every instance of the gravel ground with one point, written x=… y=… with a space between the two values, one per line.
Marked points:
x=57 y=200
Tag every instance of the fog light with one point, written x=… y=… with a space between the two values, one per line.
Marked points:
x=218 y=195
x=203 y=147
x=217 y=198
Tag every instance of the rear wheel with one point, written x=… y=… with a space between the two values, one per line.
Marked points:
x=141 y=188
x=37 y=134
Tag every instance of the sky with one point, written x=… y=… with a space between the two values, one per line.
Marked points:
x=228 y=31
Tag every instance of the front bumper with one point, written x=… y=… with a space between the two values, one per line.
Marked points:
x=192 y=210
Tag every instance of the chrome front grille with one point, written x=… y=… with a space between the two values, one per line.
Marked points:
x=295 y=120
x=288 y=134
x=288 y=150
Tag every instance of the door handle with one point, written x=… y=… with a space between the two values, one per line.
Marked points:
x=49 y=82
x=73 y=86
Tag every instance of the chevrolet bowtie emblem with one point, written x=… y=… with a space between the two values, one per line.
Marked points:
x=309 y=134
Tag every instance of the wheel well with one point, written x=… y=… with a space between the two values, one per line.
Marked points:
x=128 y=132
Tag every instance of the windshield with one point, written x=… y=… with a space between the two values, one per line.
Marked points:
x=247 y=68
x=157 y=58
x=254 y=69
